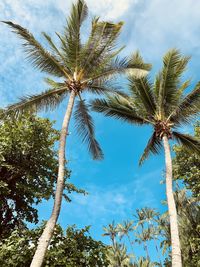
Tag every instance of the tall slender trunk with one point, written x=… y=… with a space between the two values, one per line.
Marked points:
x=175 y=242
x=146 y=249
x=46 y=236
x=145 y=244
x=157 y=250
x=132 y=250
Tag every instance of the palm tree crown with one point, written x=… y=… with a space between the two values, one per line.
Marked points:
x=162 y=104
x=82 y=66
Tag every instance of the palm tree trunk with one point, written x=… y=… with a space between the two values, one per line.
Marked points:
x=50 y=225
x=146 y=249
x=175 y=242
x=130 y=243
x=157 y=250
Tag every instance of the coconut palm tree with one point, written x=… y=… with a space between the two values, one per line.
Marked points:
x=146 y=218
x=81 y=67
x=112 y=231
x=165 y=106
x=118 y=257
x=124 y=229
x=188 y=210
x=143 y=237
x=142 y=262
x=151 y=217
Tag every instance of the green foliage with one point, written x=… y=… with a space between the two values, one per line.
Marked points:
x=82 y=66
x=72 y=248
x=142 y=262
x=28 y=169
x=85 y=128
x=188 y=210
x=189 y=220
x=187 y=166
x=141 y=230
x=162 y=104
x=117 y=256
x=111 y=230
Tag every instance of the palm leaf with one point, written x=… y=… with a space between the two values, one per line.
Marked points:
x=189 y=106
x=54 y=84
x=133 y=65
x=167 y=82
x=118 y=107
x=85 y=128
x=142 y=92
x=153 y=146
x=54 y=47
x=71 y=40
x=104 y=86
x=137 y=67
x=36 y=54
x=47 y=100
x=191 y=143
x=101 y=45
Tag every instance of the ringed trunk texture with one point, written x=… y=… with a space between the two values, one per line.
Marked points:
x=175 y=242
x=46 y=236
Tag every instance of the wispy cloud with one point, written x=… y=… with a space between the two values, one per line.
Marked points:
x=155 y=26
x=109 y=9
x=114 y=201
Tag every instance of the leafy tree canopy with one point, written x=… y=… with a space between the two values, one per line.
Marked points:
x=187 y=166
x=67 y=249
x=28 y=169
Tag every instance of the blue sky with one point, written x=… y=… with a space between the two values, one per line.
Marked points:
x=116 y=186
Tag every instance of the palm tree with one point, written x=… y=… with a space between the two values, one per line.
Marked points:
x=124 y=229
x=144 y=236
x=165 y=106
x=188 y=211
x=151 y=217
x=118 y=257
x=142 y=262
x=111 y=230
x=81 y=67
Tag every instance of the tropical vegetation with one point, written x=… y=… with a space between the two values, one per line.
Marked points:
x=82 y=65
x=27 y=152
x=165 y=106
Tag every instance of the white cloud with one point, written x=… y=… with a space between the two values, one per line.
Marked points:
x=104 y=204
x=106 y=9
x=109 y=9
x=159 y=25
x=115 y=200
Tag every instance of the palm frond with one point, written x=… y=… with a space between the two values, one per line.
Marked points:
x=142 y=92
x=71 y=40
x=191 y=143
x=36 y=54
x=104 y=86
x=153 y=146
x=54 y=84
x=118 y=107
x=137 y=67
x=85 y=128
x=134 y=66
x=189 y=107
x=54 y=48
x=49 y=99
x=101 y=45
x=167 y=82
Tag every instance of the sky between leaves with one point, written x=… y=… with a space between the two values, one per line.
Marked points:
x=116 y=186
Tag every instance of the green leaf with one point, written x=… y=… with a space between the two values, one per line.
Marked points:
x=85 y=128
x=36 y=54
